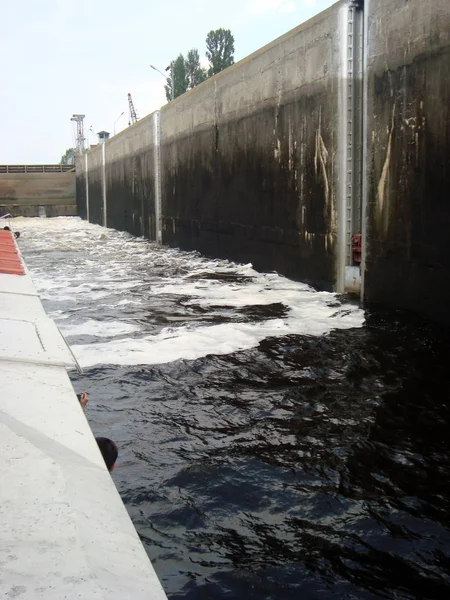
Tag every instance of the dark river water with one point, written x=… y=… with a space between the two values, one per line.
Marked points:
x=275 y=442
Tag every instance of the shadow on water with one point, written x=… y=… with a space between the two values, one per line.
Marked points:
x=308 y=467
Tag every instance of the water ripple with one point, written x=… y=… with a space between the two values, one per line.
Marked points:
x=310 y=462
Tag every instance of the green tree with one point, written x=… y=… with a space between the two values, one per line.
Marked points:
x=68 y=158
x=195 y=74
x=219 y=50
x=168 y=88
x=179 y=76
x=177 y=81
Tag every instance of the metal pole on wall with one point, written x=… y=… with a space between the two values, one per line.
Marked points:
x=157 y=178
x=105 y=219
x=350 y=144
x=343 y=147
x=364 y=191
x=87 y=184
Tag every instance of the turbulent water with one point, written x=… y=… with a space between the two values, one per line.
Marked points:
x=275 y=442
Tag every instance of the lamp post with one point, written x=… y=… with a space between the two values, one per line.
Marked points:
x=155 y=69
x=121 y=114
x=90 y=130
x=166 y=78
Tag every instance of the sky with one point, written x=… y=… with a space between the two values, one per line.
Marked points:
x=62 y=57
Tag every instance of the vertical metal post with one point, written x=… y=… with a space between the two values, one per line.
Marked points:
x=86 y=171
x=105 y=216
x=349 y=140
x=157 y=178
x=343 y=125
x=348 y=276
x=364 y=134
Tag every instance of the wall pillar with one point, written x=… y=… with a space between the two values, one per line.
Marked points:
x=86 y=170
x=157 y=174
x=105 y=216
x=351 y=118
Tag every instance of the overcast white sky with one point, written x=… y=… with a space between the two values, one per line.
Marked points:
x=62 y=57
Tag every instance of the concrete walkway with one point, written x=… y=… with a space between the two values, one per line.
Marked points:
x=65 y=532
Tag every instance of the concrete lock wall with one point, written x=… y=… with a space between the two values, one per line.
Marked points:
x=90 y=175
x=338 y=128
x=408 y=155
x=250 y=161
x=38 y=194
x=130 y=179
x=115 y=181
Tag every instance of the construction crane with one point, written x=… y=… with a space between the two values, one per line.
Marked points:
x=80 y=131
x=133 y=117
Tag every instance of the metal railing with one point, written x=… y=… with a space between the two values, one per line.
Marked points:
x=36 y=168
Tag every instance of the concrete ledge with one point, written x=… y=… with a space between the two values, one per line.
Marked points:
x=65 y=530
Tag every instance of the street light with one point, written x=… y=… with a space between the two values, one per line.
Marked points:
x=90 y=130
x=167 y=78
x=121 y=114
x=155 y=69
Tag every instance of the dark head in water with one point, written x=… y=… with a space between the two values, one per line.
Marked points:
x=109 y=451
x=16 y=233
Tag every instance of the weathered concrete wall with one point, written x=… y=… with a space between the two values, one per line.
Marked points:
x=92 y=210
x=126 y=175
x=262 y=162
x=249 y=159
x=21 y=194
x=130 y=179
x=408 y=155
x=80 y=187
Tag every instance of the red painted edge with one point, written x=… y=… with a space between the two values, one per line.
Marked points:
x=10 y=262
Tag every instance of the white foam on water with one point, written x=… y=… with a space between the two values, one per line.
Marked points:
x=190 y=344
x=99 y=328
x=84 y=267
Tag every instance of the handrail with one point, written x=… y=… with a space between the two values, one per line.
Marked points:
x=13 y=169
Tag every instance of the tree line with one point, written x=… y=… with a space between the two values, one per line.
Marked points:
x=187 y=72
x=68 y=158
